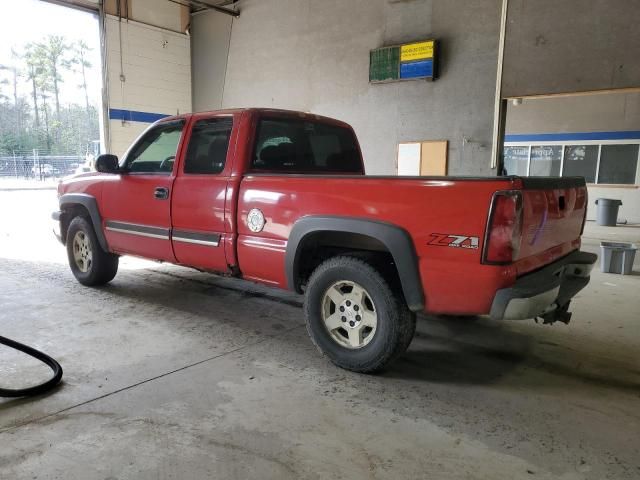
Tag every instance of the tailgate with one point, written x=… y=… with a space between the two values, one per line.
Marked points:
x=553 y=216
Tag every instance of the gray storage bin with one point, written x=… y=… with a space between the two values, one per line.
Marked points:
x=608 y=211
x=617 y=257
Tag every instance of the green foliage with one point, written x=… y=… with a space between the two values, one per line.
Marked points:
x=39 y=120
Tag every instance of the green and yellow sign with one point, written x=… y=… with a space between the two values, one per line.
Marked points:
x=404 y=62
x=416 y=51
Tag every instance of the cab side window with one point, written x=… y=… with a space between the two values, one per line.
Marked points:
x=156 y=151
x=208 y=146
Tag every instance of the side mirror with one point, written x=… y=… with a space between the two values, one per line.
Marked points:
x=107 y=163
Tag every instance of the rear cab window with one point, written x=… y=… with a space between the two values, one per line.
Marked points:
x=305 y=146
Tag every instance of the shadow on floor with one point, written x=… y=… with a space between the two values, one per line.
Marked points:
x=476 y=350
x=457 y=350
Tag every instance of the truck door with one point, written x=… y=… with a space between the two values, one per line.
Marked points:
x=136 y=204
x=199 y=195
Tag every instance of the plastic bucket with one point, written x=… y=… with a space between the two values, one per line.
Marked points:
x=608 y=211
x=617 y=257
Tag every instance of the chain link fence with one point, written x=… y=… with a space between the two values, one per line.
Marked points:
x=37 y=165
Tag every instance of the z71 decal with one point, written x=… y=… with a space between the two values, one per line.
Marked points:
x=455 y=241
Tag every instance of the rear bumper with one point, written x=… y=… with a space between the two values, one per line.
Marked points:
x=541 y=293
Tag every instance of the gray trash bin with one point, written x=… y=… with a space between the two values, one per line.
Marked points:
x=608 y=211
x=617 y=257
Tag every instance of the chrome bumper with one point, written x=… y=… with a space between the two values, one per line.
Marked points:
x=56 y=225
x=547 y=292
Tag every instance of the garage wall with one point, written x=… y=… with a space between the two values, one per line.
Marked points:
x=571 y=45
x=154 y=79
x=314 y=56
x=210 y=35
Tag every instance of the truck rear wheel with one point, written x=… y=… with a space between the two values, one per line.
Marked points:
x=90 y=264
x=354 y=317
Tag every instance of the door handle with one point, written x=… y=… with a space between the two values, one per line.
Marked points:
x=161 y=193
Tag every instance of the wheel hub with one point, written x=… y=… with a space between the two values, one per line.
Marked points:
x=82 y=253
x=349 y=314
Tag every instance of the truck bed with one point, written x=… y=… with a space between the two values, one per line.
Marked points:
x=455 y=280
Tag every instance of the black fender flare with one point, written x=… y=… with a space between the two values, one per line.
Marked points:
x=397 y=241
x=90 y=203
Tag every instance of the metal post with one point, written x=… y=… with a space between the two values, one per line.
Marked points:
x=15 y=165
x=499 y=105
x=597 y=179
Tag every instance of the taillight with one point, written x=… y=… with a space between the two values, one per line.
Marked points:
x=504 y=229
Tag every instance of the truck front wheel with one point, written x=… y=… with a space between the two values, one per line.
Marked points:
x=90 y=264
x=354 y=317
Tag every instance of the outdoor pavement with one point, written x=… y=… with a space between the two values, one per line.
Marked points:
x=10 y=184
x=172 y=373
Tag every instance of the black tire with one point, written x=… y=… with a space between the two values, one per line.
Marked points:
x=396 y=324
x=103 y=265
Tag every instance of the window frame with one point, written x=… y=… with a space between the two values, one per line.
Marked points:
x=598 y=143
x=125 y=163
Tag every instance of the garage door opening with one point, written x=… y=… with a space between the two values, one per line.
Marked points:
x=596 y=136
x=50 y=92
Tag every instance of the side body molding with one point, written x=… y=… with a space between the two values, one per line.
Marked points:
x=89 y=202
x=397 y=241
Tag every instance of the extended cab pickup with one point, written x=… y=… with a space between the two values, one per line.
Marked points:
x=281 y=198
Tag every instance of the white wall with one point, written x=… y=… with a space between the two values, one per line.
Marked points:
x=163 y=14
x=210 y=33
x=156 y=64
x=604 y=112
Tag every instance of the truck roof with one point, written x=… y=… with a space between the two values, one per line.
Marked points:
x=262 y=111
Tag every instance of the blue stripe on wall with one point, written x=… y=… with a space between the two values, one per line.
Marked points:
x=133 y=116
x=572 y=137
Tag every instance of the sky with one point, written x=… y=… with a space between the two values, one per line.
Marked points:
x=24 y=21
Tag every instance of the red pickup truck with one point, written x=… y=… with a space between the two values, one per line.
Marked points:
x=281 y=198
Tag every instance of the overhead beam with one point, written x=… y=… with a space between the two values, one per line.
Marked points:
x=208 y=6
x=85 y=5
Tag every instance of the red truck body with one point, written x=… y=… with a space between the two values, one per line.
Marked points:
x=446 y=226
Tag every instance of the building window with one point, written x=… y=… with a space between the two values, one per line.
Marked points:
x=581 y=161
x=618 y=164
x=598 y=164
x=545 y=161
x=516 y=160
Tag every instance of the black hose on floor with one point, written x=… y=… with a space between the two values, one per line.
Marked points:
x=44 y=358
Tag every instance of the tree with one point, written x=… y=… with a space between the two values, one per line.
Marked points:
x=81 y=50
x=33 y=73
x=52 y=55
x=3 y=81
x=67 y=128
x=15 y=74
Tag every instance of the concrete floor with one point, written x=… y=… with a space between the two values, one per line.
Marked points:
x=171 y=373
